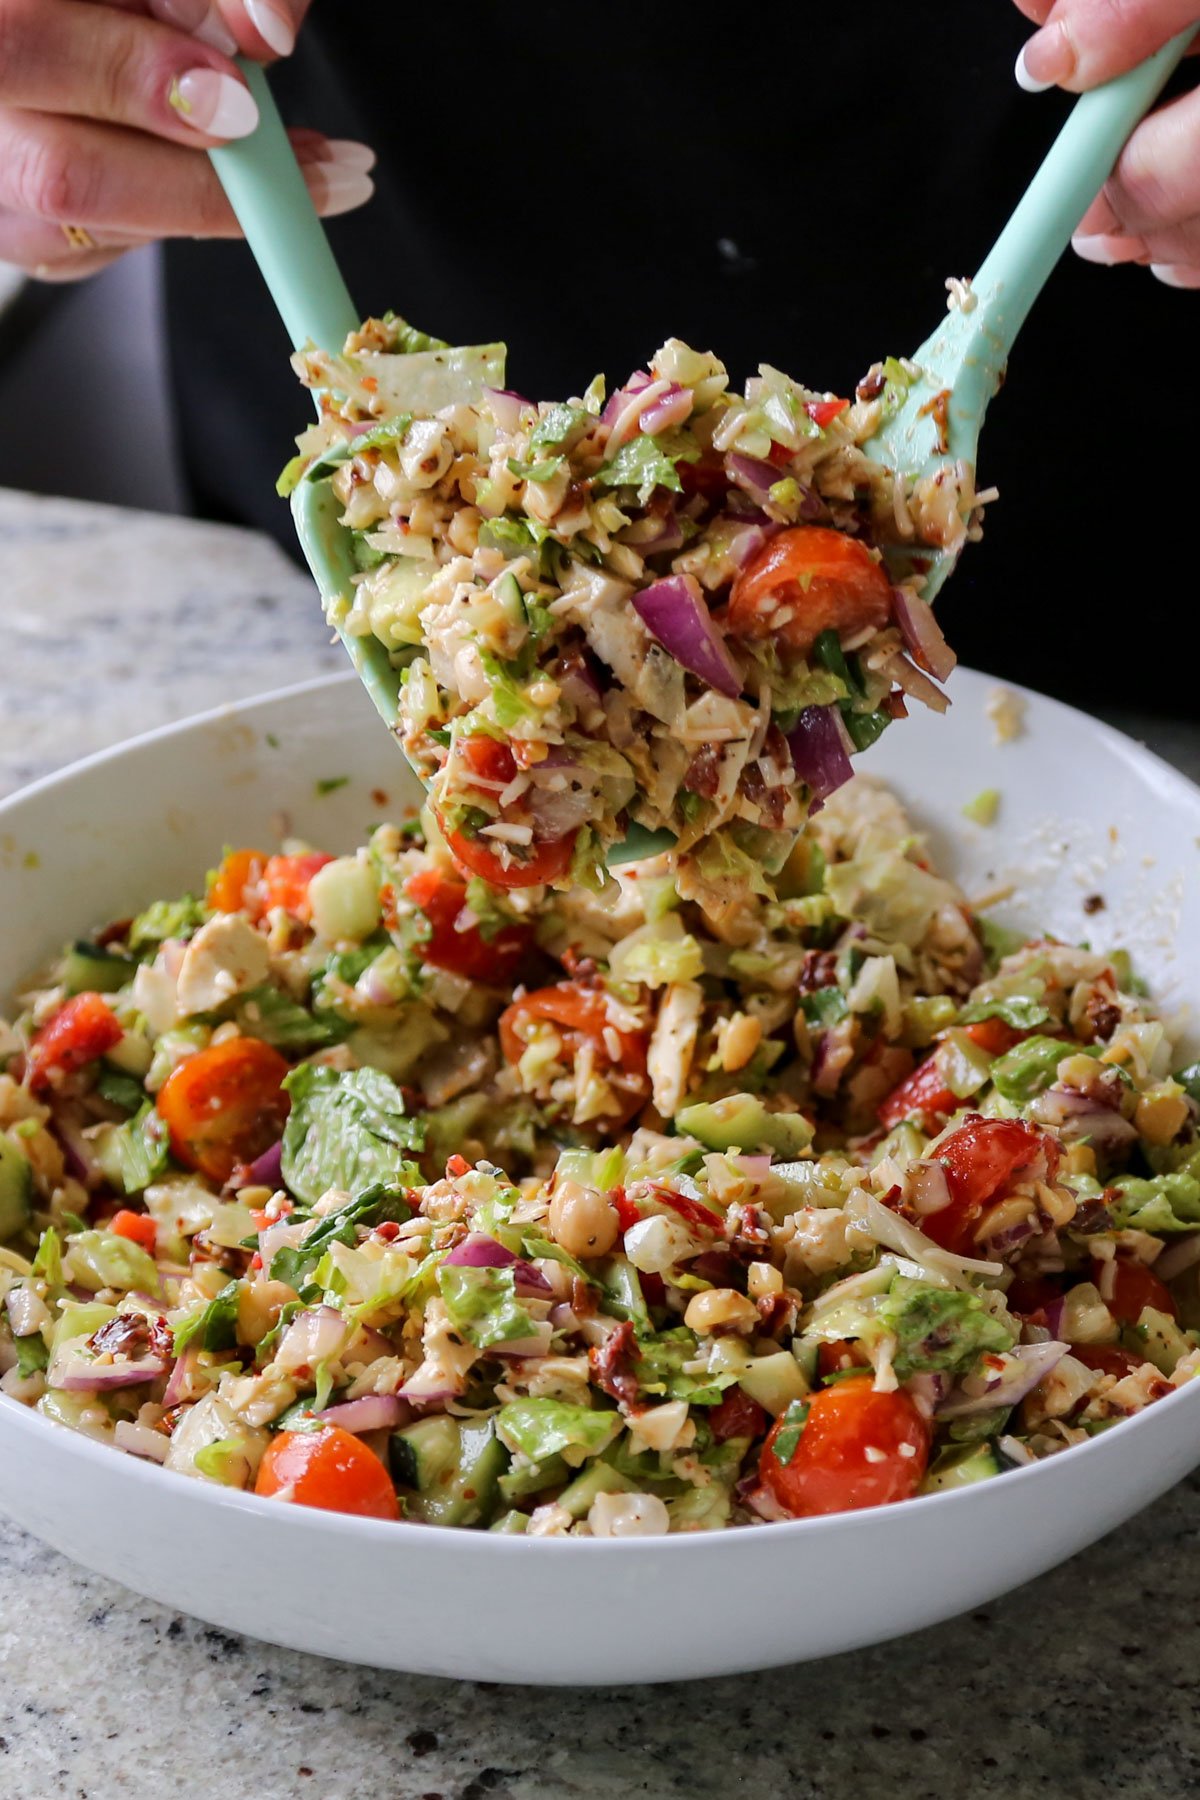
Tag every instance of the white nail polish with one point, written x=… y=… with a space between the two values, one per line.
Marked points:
x=1174 y=275
x=1108 y=248
x=273 y=25
x=1029 y=82
x=199 y=19
x=212 y=30
x=337 y=190
x=214 y=103
x=348 y=153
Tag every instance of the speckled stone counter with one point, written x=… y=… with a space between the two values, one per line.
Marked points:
x=1080 y=1684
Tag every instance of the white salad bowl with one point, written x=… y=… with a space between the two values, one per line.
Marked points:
x=1083 y=811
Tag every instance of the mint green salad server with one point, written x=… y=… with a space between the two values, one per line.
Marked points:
x=961 y=364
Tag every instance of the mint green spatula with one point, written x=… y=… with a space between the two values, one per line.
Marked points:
x=964 y=359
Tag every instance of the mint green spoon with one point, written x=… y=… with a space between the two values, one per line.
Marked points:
x=966 y=356
x=963 y=359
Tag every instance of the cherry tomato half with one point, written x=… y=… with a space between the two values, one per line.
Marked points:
x=541 y=863
x=234 y=887
x=578 y=1013
x=468 y=953
x=139 y=1228
x=329 y=1469
x=1133 y=1286
x=924 y=1096
x=225 y=1105
x=250 y=882
x=1106 y=1359
x=858 y=1448
x=80 y=1031
x=825 y=580
x=983 y=1159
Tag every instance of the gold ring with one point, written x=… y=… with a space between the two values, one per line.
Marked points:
x=77 y=237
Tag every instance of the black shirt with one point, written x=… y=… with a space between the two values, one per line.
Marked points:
x=789 y=185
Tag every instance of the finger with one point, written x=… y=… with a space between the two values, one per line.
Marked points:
x=198 y=18
x=109 y=179
x=1157 y=178
x=37 y=246
x=264 y=29
x=1085 y=42
x=1177 y=275
x=1171 y=245
x=102 y=63
x=1037 y=10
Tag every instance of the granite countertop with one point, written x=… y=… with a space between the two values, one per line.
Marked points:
x=1076 y=1684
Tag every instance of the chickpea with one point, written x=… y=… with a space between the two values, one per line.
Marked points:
x=720 y=1309
x=763 y=1278
x=583 y=1220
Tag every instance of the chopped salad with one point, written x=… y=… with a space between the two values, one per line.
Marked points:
x=666 y=610
x=370 y=1187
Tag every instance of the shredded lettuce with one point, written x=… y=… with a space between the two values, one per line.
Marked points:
x=346 y=1130
x=1162 y=1204
x=647 y=463
x=213 y=1327
x=166 y=919
x=540 y=1428
x=938 y=1329
x=483 y=1304
x=136 y=1153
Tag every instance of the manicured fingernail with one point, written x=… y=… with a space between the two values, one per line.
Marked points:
x=1176 y=275
x=273 y=24
x=1047 y=59
x=214 y=103
x=348 y=153
x=336 y=189
x=1108 y=248
x=200 y=19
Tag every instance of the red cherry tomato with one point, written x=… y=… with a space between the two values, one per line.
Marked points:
x=83 y=1029
x=737 y=1416
x=329 y=1469
x=824 y=412
x=578 y=1013
x=486 y=757
x=983 y=1160
x=840 y=1354
x=924 y=1096
x=1133 y=1286
x=250 y=882
x=540 y=864
x=225 y=1105
x=469 y=953
x=139 y=1228
x=286 y=879
x=858 y=1448
x=808 y=580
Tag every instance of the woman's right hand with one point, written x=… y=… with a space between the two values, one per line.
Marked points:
x=106 y=110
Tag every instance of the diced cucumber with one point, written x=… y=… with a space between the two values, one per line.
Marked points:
x=454 y=1466
x=524 y=1478
x=88 y=969
x=774 y=1381
x=596 y=1478
x=1158 y=1338
x=512 y=601
x=16 y=1189
x=961 y=1466
x=511 y=1524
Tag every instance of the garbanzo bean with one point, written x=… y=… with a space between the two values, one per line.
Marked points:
x=583 y=1220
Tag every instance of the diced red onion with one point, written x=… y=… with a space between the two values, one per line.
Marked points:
x=427 y=1386
x=312 y=1337
x=655 y=533
x=674 y=611
x=480 y=1252
x=265 y=1171
x=669 y=410
x=745 y=544
x=754 y=476
x=285 y=1234
x=79 y=1376
x=818 y=750
x=930 y=1188
x=1001 y=1242
x=181 y=1386
x=1056 y=1315
x=563 y=1317
x=1075 y=1117
x=141 y=1440
x=915 y=683
x=616 y=401
x=79 y=1154
x=757 y=1168
x=627 y=420
x=370 y=1412
x=923 y=634
x=506 y=407
x=928 y=1390
x=1023 y=1368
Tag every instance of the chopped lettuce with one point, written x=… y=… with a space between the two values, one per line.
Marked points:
x=102 y=1259
x=212 y=1327
x=1021 y=1011
x=1029 y=1067
x=483 y=1304
x=166 y=919
x=294 y=1264
x=646 y=463
x=1162 y=1204
x=540 y=1428
x=346 y=1130
x=942 y=1329
x=268 y=1013
x=134 y=1154
x=660 y=1372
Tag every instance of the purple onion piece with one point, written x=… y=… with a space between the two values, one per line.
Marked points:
x=674 y=611
x=507 y=407
x=480 y=1252
x=265 y=1171
x=922 y=633
x=78 y=1376
x=370 y=1412
x=637 y=381
x=1024 y=1368
x=531 y=1281
x=754 y=476
x=668 y=411
x=819 y=754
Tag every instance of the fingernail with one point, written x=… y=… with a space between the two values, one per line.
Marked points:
x=336 y=189
x=199 y=19
x=273 y=25
x=1047 y=59
x=348 y=153
x=1108 y=248
x=1176 y=275
x=214 y=103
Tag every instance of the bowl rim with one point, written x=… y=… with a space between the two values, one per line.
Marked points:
x=1168 y=782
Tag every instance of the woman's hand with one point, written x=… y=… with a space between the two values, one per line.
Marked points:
x=1149 y=210
x=106 y=109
